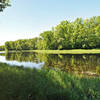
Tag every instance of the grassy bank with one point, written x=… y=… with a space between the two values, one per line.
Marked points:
x=74 y=51
x=18 y=83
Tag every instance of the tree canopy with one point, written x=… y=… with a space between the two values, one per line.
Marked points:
x=4 y=4
x=78 y=34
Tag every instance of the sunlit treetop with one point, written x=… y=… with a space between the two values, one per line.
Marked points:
x=4 y=4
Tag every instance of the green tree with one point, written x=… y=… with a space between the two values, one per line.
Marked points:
x=62 y=35
x=46 y=40
x=79 y=34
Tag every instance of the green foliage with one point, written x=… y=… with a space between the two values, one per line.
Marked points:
x=79 y=34
x=25 y=44
x=45 y=84
x=98 y=20
x=46 y=41
x=4 y=4
x=2 y=48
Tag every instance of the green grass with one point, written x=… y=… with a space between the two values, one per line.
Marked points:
x=18 y=83
x=74 y=51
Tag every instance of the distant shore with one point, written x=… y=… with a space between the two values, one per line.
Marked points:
x=74 y=51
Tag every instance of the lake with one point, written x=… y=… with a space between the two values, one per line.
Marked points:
x=88 y=64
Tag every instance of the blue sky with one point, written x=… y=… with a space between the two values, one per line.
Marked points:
x=28 y=18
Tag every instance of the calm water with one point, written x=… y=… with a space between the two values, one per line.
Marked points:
x=84 y=64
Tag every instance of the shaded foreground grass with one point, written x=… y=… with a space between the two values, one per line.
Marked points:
x=73 y=51
x=18 y=83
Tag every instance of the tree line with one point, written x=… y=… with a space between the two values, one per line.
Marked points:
x=78 y=34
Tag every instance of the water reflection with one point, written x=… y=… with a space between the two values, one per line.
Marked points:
x=88 y=64
x=5 y=59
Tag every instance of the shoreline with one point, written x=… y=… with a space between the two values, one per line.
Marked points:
x=74 y=51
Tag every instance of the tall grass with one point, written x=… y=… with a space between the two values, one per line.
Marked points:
x=18 y=83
